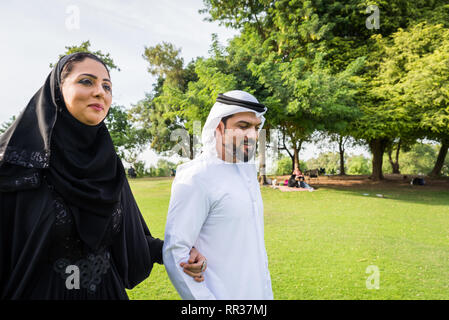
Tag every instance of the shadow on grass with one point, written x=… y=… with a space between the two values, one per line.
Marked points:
x=414 y=195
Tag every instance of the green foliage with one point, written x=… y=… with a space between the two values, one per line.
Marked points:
x=327 y=160
x=284 y=166
x=201 y=94
x=85 y=47
x=420 y=159
x=413 y=80
x=235 y=13
x=129 y=141
x=158 y=120
x=317 y=67
x=359 y=165
x=182 y=95
x=164 y=168
x=139 y=166
x=165 y=61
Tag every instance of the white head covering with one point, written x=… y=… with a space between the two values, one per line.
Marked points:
x=221 y=110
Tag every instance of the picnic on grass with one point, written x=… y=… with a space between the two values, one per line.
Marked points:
x=296 y=182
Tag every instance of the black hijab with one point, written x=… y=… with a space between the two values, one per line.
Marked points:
x=78 y=160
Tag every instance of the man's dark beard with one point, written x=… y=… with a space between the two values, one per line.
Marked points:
x=248 y=155
x=241 y=154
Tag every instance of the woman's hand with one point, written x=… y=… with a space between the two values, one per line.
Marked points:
x=196 y=265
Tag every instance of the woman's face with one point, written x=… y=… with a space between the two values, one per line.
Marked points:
x=87 y=92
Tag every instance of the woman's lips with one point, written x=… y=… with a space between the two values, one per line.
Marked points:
x=97 y=107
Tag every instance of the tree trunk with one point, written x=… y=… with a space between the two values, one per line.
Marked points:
x=286 y=149
x=295 y=158
x=342 y=156
x=377 y=147
x=436 y=171
x=395 y=164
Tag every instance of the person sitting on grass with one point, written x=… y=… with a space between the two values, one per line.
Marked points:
x=297 y=180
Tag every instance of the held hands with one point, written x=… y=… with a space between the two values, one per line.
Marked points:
x=196 y=265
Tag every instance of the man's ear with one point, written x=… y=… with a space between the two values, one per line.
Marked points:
x=219 y=132
x=220 y=128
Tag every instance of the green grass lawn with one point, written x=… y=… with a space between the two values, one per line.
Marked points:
x=320 y=244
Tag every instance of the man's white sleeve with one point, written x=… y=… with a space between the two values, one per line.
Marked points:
x=188 y=209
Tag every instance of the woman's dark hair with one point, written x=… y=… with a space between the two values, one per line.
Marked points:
x=79 y=57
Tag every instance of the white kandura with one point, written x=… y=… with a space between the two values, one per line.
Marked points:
x=217 y=207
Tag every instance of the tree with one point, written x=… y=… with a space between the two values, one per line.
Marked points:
x=157 y=121
x=129 y=141
x=85 y=47
x=335 y=29
x=165 y=62
x=326 y=160
x=397 y=145
x=283 y=39
x=177 y=105
x=163 y=112
x=419 y=159
x=308 y=98
x=358 y=165
x=283 y=166
x=164 y=168
x=343 y=140
x=388 y=112
x=414 y=78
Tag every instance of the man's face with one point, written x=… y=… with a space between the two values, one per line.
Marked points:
x=237 y=139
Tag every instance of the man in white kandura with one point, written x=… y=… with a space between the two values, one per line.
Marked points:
x=216 y=206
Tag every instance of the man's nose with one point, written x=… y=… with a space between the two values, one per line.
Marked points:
x=252 y=134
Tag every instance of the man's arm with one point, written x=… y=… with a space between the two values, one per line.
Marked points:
x=188 y=209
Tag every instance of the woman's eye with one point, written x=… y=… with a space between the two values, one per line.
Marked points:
x=85 y=81
x=107 y=87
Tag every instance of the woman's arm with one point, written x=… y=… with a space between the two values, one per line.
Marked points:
x=134 y=249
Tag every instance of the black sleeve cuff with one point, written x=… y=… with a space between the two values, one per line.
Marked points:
x=155 y=249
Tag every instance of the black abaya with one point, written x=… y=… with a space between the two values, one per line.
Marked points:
x=38 y=242
x=65 y=201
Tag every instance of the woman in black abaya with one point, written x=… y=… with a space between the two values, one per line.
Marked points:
x=65 y=203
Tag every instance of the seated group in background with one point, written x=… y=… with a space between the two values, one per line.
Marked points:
x=297 y=180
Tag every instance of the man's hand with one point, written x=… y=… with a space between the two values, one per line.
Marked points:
x=196 y=265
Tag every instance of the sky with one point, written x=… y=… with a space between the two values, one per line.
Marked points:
x=33 y=34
